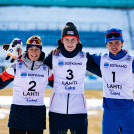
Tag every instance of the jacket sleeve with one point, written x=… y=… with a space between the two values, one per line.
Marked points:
x=92 y=65
x=7 y=76
x=5 y=79
x=48 y=60
x=51 y=81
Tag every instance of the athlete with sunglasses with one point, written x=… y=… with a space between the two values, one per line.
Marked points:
x=30 y=76
x=117 y=68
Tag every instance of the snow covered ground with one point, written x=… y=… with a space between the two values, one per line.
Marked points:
x=5 y=101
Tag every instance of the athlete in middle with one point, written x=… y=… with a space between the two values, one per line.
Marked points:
x=68 y=108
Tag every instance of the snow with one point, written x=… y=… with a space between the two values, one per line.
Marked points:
x=6 y=101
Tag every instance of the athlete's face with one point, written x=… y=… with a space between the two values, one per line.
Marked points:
x=114 y=46
x=34 y=53
x=70 y=43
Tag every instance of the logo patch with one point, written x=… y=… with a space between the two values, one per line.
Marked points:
x=34 y=43
x=60 y=63
x=11 y=50
x=70 y=32
x=23 y=74
x=106 y=64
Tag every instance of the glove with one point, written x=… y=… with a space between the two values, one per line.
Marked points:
x=19 y=50
x=5 y=46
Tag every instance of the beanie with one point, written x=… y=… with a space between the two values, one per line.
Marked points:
x=113 y=34
x=34 y=41
x=70 y=30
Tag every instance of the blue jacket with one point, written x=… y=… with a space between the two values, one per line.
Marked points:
x=115 y=103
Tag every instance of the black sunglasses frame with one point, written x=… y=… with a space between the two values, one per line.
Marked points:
x=114 y=34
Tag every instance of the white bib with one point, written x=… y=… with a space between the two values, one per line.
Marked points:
x=29 y=86
x=69 y=73
x=117 y=77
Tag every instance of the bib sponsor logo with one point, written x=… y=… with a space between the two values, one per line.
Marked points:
x=28 y=99
x=69 y=82
x=36 y=75
x=31 y=94
x=23 y=74
x=112 y=92
x=73 y=63
x=118 y=65
x=114 y=86
x=20 y=63
x=106 y=64
x=60 y=63
x=44 y=67
x=69 y=88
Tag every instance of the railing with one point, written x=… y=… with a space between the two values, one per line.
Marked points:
x=82 y=26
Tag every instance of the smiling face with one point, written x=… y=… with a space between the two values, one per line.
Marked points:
x=114 y=46
x=34 y=53
x=70 y=43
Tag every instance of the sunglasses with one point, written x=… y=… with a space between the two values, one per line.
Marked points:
x=115 y=35
x=34 y=42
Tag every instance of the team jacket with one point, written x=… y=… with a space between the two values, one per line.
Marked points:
x=29 y=82
x=69 y=72
x=117 y=76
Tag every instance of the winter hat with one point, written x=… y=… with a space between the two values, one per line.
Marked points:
x=34 y=41
x=113 y=34
x=69 y=30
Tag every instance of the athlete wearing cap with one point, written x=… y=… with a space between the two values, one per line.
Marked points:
x=117 y=68
x=30 y=78
x=68 y=109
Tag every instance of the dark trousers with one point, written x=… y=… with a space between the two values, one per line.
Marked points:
x=21 y=131
x=60 y=123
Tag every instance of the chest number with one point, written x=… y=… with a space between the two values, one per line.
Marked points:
x=70 y=74
x=33 y=83
x=113 y=76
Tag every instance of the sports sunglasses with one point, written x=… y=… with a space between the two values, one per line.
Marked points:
x=113 y=34
x=34 y=42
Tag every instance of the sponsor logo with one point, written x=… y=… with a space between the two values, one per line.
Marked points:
x=30 y=93
x=11 y=50
x=118 y=65
x=69 y=88
x=60 y=63
x=36 y=75
x=34 y=43
x=20 y=63
x=70 y=32
x=44 y=67
x=128 y=58
x=112 y=92
x=106 y=64
x=73 y=63
x=114 y=86
x=69 y=82
x=23 y=74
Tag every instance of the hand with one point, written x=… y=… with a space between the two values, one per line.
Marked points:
x=55 y=52
x=5 y=46
x=19 y=52
x=125 y=50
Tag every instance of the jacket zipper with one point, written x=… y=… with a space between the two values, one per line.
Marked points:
x=67 y=102
x=32 y=65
